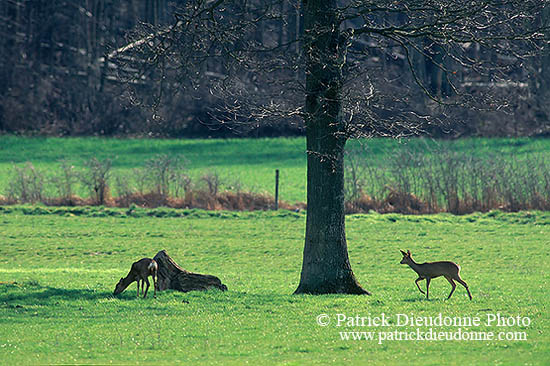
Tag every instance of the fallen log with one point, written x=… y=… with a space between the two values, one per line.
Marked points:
x=171 y=276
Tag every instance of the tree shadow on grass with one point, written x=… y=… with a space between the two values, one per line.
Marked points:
x=37 y=294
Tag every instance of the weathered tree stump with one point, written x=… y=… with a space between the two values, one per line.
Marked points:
x=172 y=277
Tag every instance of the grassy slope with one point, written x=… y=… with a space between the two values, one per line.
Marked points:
x=251 y=161
x=66 y=265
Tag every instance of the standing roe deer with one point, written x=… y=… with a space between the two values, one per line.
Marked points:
x=435 y=269
x=139 y=272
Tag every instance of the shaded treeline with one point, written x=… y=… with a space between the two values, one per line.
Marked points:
x=57 y=76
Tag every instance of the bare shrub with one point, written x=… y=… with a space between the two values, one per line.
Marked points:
x=140 y=176
x=165 y=174
x=355 y=167
x=404 y=168
x=182 y=183
x=64 y=182
x=124 y=190
x=96 y=179
x=448 y=167
x=212 y=181
x=26 y=184
x=542 y=197
x=365 y=179
x=236 y=186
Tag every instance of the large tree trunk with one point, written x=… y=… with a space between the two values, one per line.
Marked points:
x=172 y=277
x=326 y=267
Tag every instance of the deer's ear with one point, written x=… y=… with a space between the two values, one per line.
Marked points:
x=408 y=252
x=402 y=252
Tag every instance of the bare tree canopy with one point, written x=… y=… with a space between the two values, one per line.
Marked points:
x=407 y=66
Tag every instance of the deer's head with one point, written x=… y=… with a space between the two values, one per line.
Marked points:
x=119 y=287
x=406 y=257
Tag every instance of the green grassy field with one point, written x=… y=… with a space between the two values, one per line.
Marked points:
x=252 y=162
x=58 y=268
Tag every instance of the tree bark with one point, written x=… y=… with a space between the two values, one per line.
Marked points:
x=326 y=267
x=171 y=276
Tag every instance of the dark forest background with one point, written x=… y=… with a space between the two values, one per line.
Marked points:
x=56 y=77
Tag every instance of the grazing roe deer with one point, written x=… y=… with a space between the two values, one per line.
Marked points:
x=139 y=272
x=427 y=271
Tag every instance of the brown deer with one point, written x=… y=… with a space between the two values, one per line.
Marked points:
x=427 y=271
x=139 y=272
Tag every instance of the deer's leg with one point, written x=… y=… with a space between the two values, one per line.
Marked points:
x=147 y=288
x=419 y=279
x=138 y=287
x=452 y=284
x=155 y=285
x=428 y=279
x=465 y=285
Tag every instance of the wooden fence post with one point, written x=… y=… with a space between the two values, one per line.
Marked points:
x=276 y=189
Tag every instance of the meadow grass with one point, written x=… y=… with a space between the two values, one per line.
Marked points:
x=58 y=268
x=249 y=162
